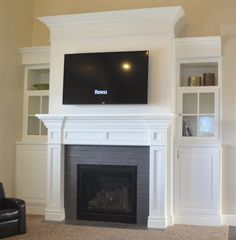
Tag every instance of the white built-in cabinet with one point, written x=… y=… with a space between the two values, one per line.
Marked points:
x=31 y=151
x=197 y=168
x=36 y=98
x=198 y=102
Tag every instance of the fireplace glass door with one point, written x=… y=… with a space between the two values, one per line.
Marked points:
x=106 y=193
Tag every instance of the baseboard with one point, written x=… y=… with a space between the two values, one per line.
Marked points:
x=33 y=209
x=198 y=220
x=55 y=215
x=229 y=220
x=155 y=222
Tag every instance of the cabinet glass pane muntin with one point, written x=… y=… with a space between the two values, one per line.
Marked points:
x=206 y=103
x=210 y=69
x=33 y=126
x=206 y=126
x=190 y=103
x=190 y=126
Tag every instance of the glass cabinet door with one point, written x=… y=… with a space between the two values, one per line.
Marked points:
x=36 y=99
x=198 y=114
x=198 y=86
x=36 y=105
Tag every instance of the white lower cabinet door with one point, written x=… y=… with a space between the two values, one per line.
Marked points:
x=196 y=196
x=30 y=177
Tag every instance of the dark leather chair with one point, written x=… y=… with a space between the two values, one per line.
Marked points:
x=12 y=215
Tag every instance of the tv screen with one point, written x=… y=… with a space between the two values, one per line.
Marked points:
x=106 y=78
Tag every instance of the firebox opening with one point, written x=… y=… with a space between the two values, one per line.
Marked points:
x=107 y=193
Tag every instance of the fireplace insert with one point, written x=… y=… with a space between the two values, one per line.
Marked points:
x=107 y=193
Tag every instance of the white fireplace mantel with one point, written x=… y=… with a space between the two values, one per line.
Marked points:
x=125 y=125
x=146 y=21
x=152 y=131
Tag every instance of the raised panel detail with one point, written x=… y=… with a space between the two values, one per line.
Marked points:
x=83 y=135
x=196 y=182
x=31 y=178
x=158 y=137
x=126 y=135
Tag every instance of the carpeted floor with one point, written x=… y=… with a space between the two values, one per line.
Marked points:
x=37 y=229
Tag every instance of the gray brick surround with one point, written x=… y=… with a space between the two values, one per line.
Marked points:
x=107 y=155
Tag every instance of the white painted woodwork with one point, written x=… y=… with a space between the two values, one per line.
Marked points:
x=172 y=199
x=35 y=55
x=150 y=29
x=204 y=52
x=110 y=130
x=197 y=47
x=31 y=178
x=197 y=185
x=31 y=152
x=197 y=160
x=36 y=70
x=146 y=21
x=198 y=139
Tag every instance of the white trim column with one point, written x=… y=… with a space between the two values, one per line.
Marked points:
x=158 y=187
x=55 y=171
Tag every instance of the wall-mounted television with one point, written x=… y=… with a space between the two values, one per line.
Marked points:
x=106 y=78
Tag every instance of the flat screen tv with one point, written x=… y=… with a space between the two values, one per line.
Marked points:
x=106 y=78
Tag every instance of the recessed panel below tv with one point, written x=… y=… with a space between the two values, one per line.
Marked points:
x=106 y=78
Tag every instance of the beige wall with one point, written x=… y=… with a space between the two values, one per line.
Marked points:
x=15 y=31
x=204 y=17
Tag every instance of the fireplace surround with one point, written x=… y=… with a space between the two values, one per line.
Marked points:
x=148 y=125
x=95 y=161
x=150 y=131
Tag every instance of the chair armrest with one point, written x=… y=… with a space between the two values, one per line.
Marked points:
x=20 y=205
x=14 y=203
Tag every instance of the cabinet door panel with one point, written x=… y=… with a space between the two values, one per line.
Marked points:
x=197 y=181
x=30 y=179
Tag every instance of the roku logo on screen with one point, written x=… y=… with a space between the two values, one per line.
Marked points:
x=100 y=92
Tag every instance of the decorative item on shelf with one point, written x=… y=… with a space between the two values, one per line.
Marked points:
x=208 y=79
x=186 y=131
x=194 y=81
x=41 y=86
